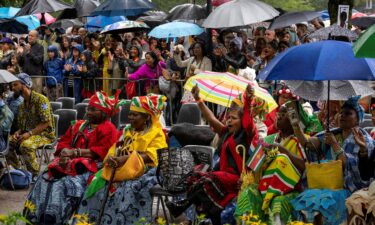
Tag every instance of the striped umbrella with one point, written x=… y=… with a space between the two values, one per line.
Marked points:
x=222 y=88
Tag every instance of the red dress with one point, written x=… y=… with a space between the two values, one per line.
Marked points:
x=98 y=140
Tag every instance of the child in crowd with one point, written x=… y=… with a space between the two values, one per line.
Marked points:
x=53 y=67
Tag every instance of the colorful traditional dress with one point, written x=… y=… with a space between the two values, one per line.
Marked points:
x=58 y=192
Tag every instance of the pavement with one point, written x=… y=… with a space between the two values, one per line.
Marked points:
x=12 y=200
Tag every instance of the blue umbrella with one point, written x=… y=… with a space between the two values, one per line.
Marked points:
x=102 y=21
x=324 y=60
x=31 y=21
x=123 y=8
x=8 y=12
x=176 y=29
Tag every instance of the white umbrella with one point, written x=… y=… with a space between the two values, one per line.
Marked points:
x=6 y=77
x=334 y=30
x=239 y=13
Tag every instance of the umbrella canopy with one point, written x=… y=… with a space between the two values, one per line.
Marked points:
x=48 y=18
x=102 y=21
x=334 y=30
x=365 y=21
x=339 y=89
x=123 y=8
x=31 y=21
x=81 y=8
x=239 y=13
x=217 y=3
x=42 y=6
x=365 y=45
x=291 y=18
x=13 y=26
x=187 y=12
x=6 y=77
x=8 y=12
x=153 y=18
x=124 y=26
x=222 y=88
x=323 y=60
x=176 y=29
x=66 y=23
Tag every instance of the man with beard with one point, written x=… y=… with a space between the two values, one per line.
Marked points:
x=35 y=125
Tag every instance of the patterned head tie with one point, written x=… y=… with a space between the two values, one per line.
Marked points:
x=108 y=104
x=151 y=104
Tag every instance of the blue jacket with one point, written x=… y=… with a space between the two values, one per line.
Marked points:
x=70 y=61
x=54 y=67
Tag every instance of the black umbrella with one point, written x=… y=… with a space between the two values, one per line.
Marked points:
x=187 y=12
x=153 y=18
x=12 y=26
x=42 y=6
x=291 y=18
x=365 y=21
x=81 y=8
x=123 y=8
x=66 y=23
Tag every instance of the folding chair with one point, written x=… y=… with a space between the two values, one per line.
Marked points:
x=124 y=114
x=67 y=102
x=86 y=100
x=3 y=158
x=81 y=110
x=51 y=146
x=55 y=106
x=189 y=113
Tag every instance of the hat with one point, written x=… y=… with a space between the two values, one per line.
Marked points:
x=7 y=40
x=108 y=104
x=288 y=93
x=238 y=42
x=353 y=102
x=151 y=104
x=25 y=79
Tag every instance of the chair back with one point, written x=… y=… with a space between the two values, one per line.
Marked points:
x=202 y=154
x=66 y=116
x=67 y=102
x=56 y=105
x=124 y=114
x=56 y=119
x=189 y=113
x=81 y=110
x=86 y=100
x=116 y=119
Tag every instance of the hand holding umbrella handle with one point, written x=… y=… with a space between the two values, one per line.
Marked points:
x=195 y=92
x=249 y=91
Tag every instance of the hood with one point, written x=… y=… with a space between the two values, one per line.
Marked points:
x=88 y=55
x=53 y=48
x=78 y=47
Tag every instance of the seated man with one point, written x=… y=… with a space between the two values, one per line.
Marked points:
x=6 y=118
x=35 y=125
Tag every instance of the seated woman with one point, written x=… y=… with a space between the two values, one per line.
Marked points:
x=212 y=191
x=276 y=180
x=57 y=193
x=131 y=200
x=348 y=143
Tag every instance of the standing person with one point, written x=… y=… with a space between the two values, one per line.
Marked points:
x=35 y=125
x=13 y=66
x=54 y=67
x=103 y=62
x=72 y=86
x=116 y=68
x=7 y=47
x=31 y=59
x=65 y=47
x=89 y=70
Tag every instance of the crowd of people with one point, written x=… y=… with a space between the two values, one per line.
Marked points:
x=108 y=68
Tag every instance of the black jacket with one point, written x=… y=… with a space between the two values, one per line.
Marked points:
x=32 y=62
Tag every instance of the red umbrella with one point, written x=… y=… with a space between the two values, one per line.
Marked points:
x=48 y=18
x=216 y=3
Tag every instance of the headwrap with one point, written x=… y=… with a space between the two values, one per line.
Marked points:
x=258 y=106
x=288 y=93
x=108 y=104
x=151 y=104
x=353 y=102
x=25 y=79
x=312 y=123
x=238 y=42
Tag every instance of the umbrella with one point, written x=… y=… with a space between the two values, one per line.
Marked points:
x=291 y=18
x=153 y=18
x=365 y=21
x=324 y=15
x=124 y=26
x=239 y=13
x=358 y=15
x=66 y=23
x=365 y=45
x=13 y=26
x=334 y=30
x=42 y=6
x=8 y=12
x=7 y=77
x=31 y=21
x=81 y=8
x=102 y=21
x=222 y=88
x=323 y=60
x=187 y=12
x=123 y=8
x=339 y=89
x=176 y=29
x=217 y=3
x=47 y=17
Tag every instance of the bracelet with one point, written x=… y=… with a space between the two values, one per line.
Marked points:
x=338 y=153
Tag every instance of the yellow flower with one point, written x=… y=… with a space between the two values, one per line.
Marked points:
x=3 y=218
x=83 y=218
x=30 y=206
x=160 y=221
